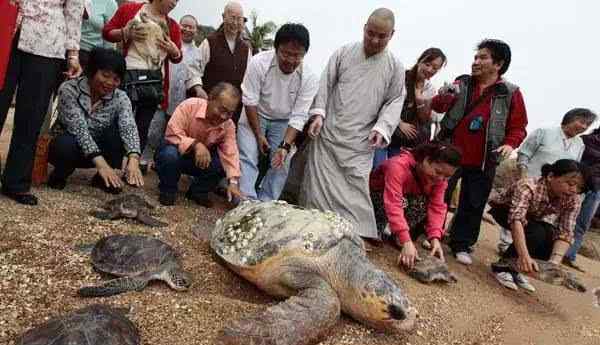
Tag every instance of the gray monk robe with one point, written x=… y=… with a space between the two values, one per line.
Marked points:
x=356 y=95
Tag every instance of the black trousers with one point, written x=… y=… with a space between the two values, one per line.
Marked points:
x=36 y=77
x=539 y=236
x=65 y=154
x=475 y=189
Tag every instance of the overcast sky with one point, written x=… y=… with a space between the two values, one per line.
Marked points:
x=554 y=43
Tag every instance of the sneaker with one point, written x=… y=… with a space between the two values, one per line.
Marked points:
x=506 y=279
x=464 y=258
x=522 y=282
x=167 y=199
x=200 y=199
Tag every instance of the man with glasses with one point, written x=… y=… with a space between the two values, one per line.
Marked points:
x=223 y=56
x=200 y=141
x=356 y=110
x=278 y=90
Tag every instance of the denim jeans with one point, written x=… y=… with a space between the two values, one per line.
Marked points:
x=382 y=154
x=170 y=164
x=584 y=220
x=274 y=181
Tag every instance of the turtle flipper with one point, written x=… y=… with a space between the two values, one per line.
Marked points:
x=105 y=215
x=85 y=248
x=114 y=287
x=302 y=319
x=146 y=219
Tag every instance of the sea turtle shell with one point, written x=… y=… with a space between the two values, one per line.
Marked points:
x=131 y=255
x=92 y=325
x=256 y=231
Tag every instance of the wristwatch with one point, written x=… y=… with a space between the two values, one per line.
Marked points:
x=285 y=146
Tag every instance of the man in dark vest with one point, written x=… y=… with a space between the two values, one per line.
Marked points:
x=224 y=56
x=485 y=117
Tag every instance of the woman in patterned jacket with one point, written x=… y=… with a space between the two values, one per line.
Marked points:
x=95 y=126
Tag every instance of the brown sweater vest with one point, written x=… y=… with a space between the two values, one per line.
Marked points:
x=223 y=65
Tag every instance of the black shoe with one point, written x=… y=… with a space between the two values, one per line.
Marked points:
x=200 y=199
x=98 y=183
x=22 y=198
x=167 y=199
x=56 y=183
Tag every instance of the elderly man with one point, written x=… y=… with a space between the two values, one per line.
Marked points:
x=200 y=141
x=223 y=56
x=356 y=110
x=485 y=117
x=177 y=90
x=278 y=90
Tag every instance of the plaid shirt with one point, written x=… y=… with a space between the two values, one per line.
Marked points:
x=529 y=199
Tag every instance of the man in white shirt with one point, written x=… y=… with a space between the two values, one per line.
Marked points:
x=223 y=56
x=277 y=90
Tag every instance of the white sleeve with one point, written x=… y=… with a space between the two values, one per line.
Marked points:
x=196 y=67
x=252 y=83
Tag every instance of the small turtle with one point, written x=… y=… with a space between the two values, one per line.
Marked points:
x=548 y=272
x=93 y=325
x=314 y=258
x=130 y=206
x=136 y=260
x=430 y=269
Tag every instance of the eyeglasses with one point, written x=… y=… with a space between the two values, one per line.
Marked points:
x=297 y=57
x=236 y=19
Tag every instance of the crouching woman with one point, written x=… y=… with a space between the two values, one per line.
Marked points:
x=408 y=193
x=95 y=126
x=541 y=214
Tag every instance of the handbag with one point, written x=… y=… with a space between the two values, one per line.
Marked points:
x=144 y=87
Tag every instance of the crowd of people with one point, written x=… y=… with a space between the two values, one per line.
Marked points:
x=139 y=90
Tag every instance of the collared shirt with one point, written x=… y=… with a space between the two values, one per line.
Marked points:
x=189 y=124
x=279 y=96
x=50 y=27
x=99 y=13
x=87 y=122
x=547 y=145
x=197 y=67
x=530 y=198
x=179 y=74
x=397 y=180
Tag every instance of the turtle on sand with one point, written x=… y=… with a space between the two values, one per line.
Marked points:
x=136 y=260
x=548 y=272
x=316 y=261
x=93 y=325
x=429 y=269
x=130 y=206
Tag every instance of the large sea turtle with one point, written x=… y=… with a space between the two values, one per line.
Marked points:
x=130 y=206
x=316 y=260
x=548 y=272
x=93 y=325
x=136 y=260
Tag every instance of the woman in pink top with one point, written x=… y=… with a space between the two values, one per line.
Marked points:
x=408 y=195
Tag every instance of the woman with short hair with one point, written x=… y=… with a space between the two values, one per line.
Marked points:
x=95 y=126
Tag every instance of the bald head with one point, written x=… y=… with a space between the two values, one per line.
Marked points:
x=233 y=19
x=233 y=7
x=383 y=15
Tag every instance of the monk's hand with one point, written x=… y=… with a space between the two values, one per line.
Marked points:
x=526 y=264
x=233 y=191
x=504 y=151
x=376 y=140
x=199 y=92
x=315 y=127
x=408 y=255
x=201 y=156
x=436 y=249
x=133 y=174
x=407 y=129
x=279 y=158
x=263 y=145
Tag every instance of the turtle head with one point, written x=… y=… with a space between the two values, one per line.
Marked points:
x=380 y=303
x=178 y=279
x=127 y=212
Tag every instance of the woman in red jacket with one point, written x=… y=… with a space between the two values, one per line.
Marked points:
x=408 y=194
x=150 y=40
